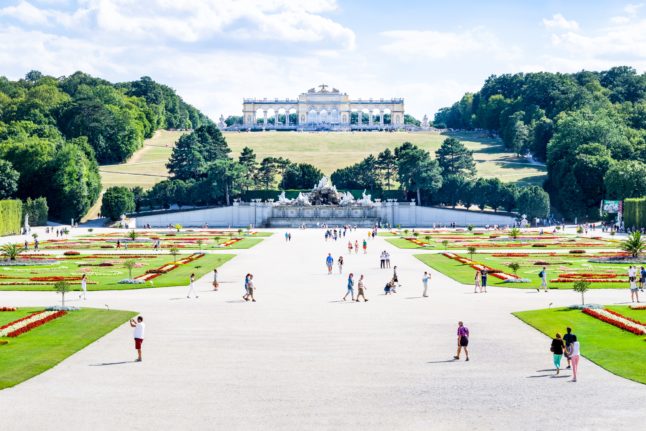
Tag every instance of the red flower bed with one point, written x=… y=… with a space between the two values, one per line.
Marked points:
x=7 y=308
x=625 y=317
x=55 y=278
x=596 y=315
x=71 y=253
x=584 y=275
x=20 y=320
x=36 y=324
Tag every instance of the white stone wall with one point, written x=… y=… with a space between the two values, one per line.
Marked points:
x=256 y=214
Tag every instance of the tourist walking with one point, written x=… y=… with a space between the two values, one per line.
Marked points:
x=476 y=282
x=634 y=291
x=463 y=340
x=350 y=290
x=329 y=261
x=340 y=264
x=246 y=287
x=140 y=328
x=356 y=247
x=382 y=260
x=557 y=348
x=191 y=286
x=215 y=279
x=642 y=280
x=250 y=289
x=365 y=246
x=483 y=280
x=83 y=287
x=395 y=277
x=575 y=355
x=349 y=247
x=361 y=288
x=567 y=338
x=543 y=276
x=387 y=260
x=425 y=279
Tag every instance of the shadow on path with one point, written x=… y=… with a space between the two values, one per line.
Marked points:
x=112 y=363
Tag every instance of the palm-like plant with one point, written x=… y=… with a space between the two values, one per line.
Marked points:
x=634 y=244
x=11 y=251
x=174 y=251
x=514 y=233
x=472 y=250
x=581 y=286
x=62 y=287
x=130 y=263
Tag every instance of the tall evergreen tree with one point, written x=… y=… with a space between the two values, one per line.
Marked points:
x=455 y=159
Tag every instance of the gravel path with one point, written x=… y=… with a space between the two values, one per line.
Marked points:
x=300 y=358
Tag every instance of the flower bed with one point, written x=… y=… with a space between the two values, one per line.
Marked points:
x=480 y=267
x=7 y=309
x=616 y=320
x=156 y=272
x=592 y=277
x=230 y=242
x=626 y=317
x=638 y=307
x=417 y=242
x=26 y=324
x=71 y=253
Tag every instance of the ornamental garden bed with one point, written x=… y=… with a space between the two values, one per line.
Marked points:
x=617 y=350
x=434 y=239
x=106 y=271
x=145 y=240
x=562 y=269
x=35 y=351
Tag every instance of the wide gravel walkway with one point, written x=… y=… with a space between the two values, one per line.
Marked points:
x=300 y=358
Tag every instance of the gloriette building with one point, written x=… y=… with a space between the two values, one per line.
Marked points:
x=323 y=109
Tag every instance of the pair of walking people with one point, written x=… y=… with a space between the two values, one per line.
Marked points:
x=249 y=288
x=361 y=289
x=567 y=345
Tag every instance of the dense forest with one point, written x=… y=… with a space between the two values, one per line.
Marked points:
x=55 y=131
x=588 y=127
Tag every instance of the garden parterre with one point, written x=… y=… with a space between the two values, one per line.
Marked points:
x=617 y=350
x=47 y=343
x=563 y=269
x=145 y=240
x=461 y=239
x=105 y=271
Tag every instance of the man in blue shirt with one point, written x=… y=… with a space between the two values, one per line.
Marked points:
x=329 y=261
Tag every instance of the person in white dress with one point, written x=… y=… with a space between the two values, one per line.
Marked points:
x=191 y=287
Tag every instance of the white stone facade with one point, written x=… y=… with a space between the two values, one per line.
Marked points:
x=323 y=108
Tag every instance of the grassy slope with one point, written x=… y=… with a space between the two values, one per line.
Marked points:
x=42 y=348
x=108 y=277
x=464 y=274
x=327 y=150
x=614 y=349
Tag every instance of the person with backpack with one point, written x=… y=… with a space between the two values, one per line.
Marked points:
x=543 y=277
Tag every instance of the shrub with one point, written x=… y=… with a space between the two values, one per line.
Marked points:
x=539 y=245
x=577 y=251
x=71 y=253
x=514 y=266
x=37 y=210
x=10 y=217
x=117 y=200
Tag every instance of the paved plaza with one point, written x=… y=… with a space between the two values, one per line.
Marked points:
x=300 y=358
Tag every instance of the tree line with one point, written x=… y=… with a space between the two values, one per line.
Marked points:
x=204 y=173
x=55 y=131
x=589 y=128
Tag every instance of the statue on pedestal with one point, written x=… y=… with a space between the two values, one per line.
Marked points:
x=221 y=123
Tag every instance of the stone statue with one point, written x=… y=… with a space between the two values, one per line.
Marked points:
x=282 y=199
x=346 y=199
x=366 y=199
x=425 y=121
x=302 y=199
x=312 y=90
x=221 y=123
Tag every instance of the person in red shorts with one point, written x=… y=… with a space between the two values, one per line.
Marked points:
x=140 y=328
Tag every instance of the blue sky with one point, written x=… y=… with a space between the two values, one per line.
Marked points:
x=215 y=52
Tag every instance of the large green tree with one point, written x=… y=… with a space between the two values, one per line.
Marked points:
x=117 y=201
x=416 y=171
x=455 y=159
x=300 y=176
x=8 y=180
x=533 y=202
x=626 y=179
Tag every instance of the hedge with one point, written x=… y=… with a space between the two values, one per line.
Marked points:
x=635 y=213
x=37 y=210
x=291 y=194
x=10 y=217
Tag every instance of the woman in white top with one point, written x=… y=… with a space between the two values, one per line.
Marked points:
x=340 y=263
x=575 y=353
x=191 y=287
x=476 y=281
x=83 y=287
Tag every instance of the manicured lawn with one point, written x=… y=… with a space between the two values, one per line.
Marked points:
x=500 y=241
x=107 y=277
x=558 y=264
x=639 y=315
x=185 y=240
x=614 y=349
x=42 y=348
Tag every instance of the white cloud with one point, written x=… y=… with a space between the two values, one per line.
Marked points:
x=26 y=13
x=411 y=44
x=633 y=9
x=619 y=19
x=559 y=22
